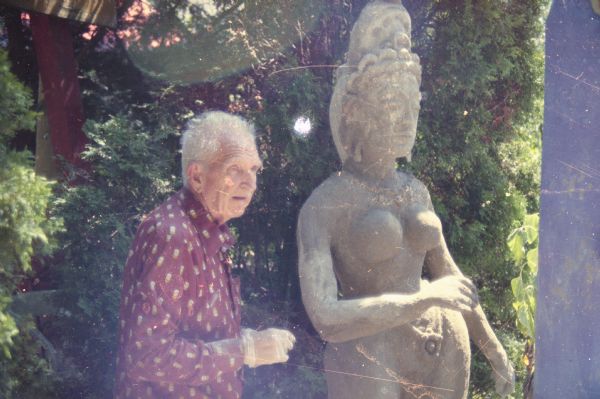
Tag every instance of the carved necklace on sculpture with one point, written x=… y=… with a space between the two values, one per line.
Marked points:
x=400 y=195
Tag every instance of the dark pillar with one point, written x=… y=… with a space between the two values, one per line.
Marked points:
x=568 y=313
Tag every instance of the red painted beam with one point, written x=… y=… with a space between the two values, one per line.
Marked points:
x=62 y=97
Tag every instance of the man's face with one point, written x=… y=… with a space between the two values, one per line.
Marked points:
x=226 y=184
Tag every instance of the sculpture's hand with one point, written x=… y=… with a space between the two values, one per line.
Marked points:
x=453 y=292
x=504 y=374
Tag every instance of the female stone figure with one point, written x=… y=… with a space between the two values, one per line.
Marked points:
x=366 y=234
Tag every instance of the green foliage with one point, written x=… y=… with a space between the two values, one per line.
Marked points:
x=8 y=327
x=523 y=245
x=480 y=82
x=15 y=104
x=130 y=174
x=29 y=375
x=25 y=231
x=24 y=198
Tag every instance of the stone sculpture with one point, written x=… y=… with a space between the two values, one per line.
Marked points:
x=366 y=234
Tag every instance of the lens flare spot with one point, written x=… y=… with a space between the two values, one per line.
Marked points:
x=302 y=126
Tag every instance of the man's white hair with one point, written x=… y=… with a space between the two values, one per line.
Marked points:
x=205 y=134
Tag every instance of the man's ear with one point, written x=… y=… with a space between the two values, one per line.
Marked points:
x=195 y=177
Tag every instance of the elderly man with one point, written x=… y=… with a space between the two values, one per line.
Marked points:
x=180 y=308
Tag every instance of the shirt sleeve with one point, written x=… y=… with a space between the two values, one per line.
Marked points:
x=154 y=349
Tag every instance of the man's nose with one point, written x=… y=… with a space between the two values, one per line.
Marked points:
x=249 y=180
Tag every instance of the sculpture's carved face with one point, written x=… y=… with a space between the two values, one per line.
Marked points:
x=225 y=185
x=397 y=117
x=382 y=119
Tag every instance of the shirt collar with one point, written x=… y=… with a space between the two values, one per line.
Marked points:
x=214 y=237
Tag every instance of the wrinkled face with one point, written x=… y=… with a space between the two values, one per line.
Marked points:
x=226 y=184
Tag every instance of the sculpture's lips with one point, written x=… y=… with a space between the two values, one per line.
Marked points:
x=239 y=198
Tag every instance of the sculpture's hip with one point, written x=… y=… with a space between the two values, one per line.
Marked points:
x=427 y=358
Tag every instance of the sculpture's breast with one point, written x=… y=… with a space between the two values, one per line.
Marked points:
x=423 y=228
x=375 y=236
x=379 y=235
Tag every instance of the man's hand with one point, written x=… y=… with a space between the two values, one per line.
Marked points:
x=267 y=346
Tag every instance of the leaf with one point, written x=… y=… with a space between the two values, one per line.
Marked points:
x=532 y=261
x=531 y=323
x=517 y=288
x=532 y=220
x=531 y=302
x=515 y=244
x=526 y=321
x=530 y=225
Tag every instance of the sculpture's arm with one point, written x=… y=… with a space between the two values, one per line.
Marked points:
x=339 y=320
x=440 y=264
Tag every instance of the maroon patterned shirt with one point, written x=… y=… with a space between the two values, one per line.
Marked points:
x=180 y=308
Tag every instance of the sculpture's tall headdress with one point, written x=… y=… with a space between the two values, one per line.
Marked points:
x=378 y=56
